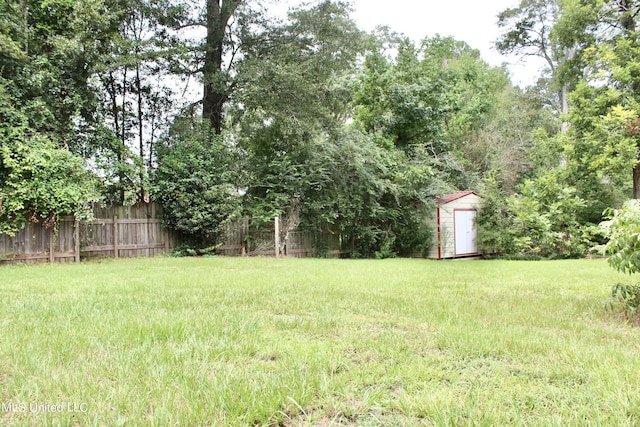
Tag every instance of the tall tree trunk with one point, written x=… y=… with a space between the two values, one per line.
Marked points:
x=215 y=86
x=140 y=125
x=122 y=151
x=627 y=20
x=25 y=24
x=564 y=98
x=636 y=181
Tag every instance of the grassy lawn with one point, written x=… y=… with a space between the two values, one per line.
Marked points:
x=237 y=341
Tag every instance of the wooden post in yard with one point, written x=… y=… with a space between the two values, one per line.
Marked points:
x=52 y=257
x=245 y=234
x=166 y=240
x=115 y=237
x=76 y=241
x=277 y=235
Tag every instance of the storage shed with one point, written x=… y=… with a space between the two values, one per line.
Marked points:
x=455 y=227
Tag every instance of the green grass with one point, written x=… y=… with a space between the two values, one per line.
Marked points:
x=238 y=341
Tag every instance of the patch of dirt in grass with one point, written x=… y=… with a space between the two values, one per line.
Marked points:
x=365 y=417
x=348 y=412
x=364 y=356
x=335 y=413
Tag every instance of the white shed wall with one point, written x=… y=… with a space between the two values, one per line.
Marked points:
x=447 y=227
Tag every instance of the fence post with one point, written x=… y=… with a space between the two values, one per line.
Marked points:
x=277 y=235
x=76 y=241
x=115 y=237
x=52 y=257
x=245 y=235
x=166 y=240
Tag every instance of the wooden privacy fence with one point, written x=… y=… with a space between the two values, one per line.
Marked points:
x=133 y=231
x=240 y=239
x=121 y=231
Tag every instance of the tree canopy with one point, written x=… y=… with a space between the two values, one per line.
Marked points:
x=218 y=109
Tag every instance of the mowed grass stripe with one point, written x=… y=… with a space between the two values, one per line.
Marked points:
x=249 y=341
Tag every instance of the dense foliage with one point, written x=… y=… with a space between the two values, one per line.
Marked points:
x=40 y=182
x=309 y=118
x=623 y=230
x=197 y=182
x=592 y=164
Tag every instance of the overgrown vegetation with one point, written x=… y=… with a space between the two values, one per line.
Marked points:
x=623 y=248
x=39 y=181
x=543 y=220
x=309 y=116
x=198 y=182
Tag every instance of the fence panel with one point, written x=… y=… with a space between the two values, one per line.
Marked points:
x=120 y=231
x=239 y=239
x=235 y=237
x=262 y=242
x=302 y=244
x=35 y=243
x=133 y=231
x=299 y=244
x=125 y=231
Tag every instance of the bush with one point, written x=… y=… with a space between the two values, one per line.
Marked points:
x=386 y=249
x=41 y=183
x=197 y=182
x=627 y=296
x=320 y=249
x=188 y=249
x=542 y=221
x=623 y=248
x=495 y=237
x=623 y=231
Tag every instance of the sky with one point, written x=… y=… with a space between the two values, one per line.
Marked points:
x=472 y=21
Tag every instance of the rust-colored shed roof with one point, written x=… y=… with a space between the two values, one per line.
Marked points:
x=455 y=196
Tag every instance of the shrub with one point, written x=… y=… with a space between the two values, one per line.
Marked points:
x=386 y=249
x=495 y=237
x=627 y=296
x=320 y=249
x=623 y=231
x=198 y=183
x=542 y=221
x=191 y=249
x=41 y=183
x=623 y=248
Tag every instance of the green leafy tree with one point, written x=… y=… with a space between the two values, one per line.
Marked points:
x=604 y=137
x=300 y=93
x=495 y=224
x=555 y=31
x=377 y=199
x=408 y=102
x=623 y=231
x=39 y=181
x=198 y=181
x=133 y=69
x=544 y=219
x=50 y=61
x=439 y=97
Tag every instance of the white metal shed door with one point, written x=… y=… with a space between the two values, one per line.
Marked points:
x=465 y=232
